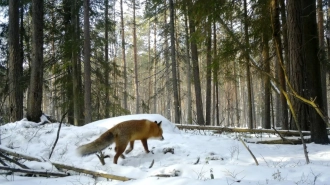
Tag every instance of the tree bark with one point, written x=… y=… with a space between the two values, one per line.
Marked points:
x=36 y=80
x=87 y=65
x=15 y=64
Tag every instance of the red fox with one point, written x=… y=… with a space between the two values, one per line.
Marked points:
x=122 y=134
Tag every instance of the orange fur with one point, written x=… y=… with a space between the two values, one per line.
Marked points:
x=122 y=134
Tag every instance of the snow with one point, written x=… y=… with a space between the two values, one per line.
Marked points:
x=223 y=154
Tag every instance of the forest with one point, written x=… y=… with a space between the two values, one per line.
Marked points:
x=249 y=64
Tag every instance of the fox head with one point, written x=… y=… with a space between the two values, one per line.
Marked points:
x=159 y=131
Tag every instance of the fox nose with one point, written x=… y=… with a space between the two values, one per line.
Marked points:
x=162 y=138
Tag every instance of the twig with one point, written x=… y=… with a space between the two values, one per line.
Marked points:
x=283 y=139
x=279 y=134
x=58 y=134
x=249 y=151
x=197 y=161
x=102 y=157
x=163 y=175
x=152 y=163
x=97 y=174
x=43 y=173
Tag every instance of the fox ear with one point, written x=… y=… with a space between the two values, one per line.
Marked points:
x=158 y=123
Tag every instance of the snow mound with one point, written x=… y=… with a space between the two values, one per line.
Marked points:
x=167 y=126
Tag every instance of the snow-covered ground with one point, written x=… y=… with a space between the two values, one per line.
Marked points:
x=220 y=155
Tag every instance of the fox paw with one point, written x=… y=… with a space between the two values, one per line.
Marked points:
x=128 y=150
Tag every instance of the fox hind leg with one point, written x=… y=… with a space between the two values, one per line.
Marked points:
x=131 y=147
x=119 y=152
x=122 y=155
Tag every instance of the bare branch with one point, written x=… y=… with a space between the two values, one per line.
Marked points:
x=58 y=134
x=249 y=151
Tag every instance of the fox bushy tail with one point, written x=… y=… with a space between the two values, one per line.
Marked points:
x=98 y=145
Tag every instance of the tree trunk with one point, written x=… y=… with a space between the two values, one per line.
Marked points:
x=297 y=69
x=168 y=66
x=36 y=80
x=66 y=89
x=87 y=65
x=150 y=61
x=208 y=71
x=248 y=73
x=123 y=53
x=215 y=76
x=320 y=22
x=280 y=64
x=236 y=84
x=76 y=88
x=267 y=88
x=188 y=69
x=15 y=64
x=136 y=80
x=313 y=75
x=284 y=105
x=194 y=58
x=174 y=68
x=53 y=87
x=155 y=67
x=106 y=60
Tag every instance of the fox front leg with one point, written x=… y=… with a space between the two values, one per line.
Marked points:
x=145 y=145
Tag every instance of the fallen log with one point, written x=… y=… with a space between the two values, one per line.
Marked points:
x=34 y=172
x=96 y=174
x=287 y=141
x=12 y=161
x=219 y=130
x=18 y=155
